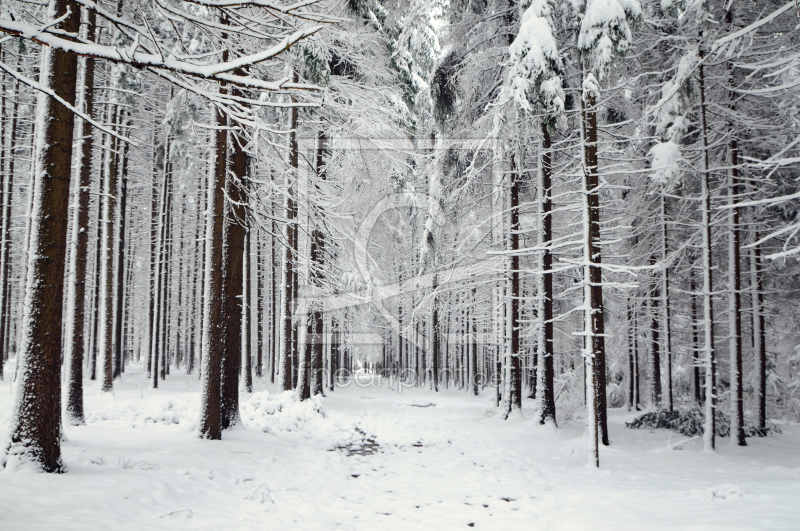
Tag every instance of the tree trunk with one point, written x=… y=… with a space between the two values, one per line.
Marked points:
x=513 y=395
x=35 y=427
x=233 y=282
x=290 y=245
x=547 y=403
x=709 y=434
x=595 y=323
x=317 y=263
x=665 y=304
x=213 y=320
x=106 y=311
x=655 y=344
x=120 y=297
x=759 y=334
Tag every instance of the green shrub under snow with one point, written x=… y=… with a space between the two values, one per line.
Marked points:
x=690 y=422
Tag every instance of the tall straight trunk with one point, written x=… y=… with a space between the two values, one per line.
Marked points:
x=547 y=403
x=199 y=288
x=759 y=333
x=120 y=297
x=473 y=344
x=734 y=268
x=35 y=427
x=247 y=320
x=595 y=323
x=213 y=320
x=317 y=323
x=695 y=343
x=233 y=281
x=709 y=434
x=260 y=277
x=735 y=299
x=166 y=261
x=179 y=305
x=106 y=310
x=158 y=290
x=154 y=232
x=303 y=386
x=95 y=277
x=274 y=322
x=655 y=343
x=3 y=200
x=287 y=291
x=631 y=368
x=636 y=395
x=435 y=333
x=513 y=395
x=317 y=263
x=665 y=304
x=30 y=211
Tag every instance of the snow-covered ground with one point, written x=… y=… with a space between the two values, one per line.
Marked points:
x=442 y=461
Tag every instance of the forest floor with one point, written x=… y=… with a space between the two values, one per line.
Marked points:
x=382 y=460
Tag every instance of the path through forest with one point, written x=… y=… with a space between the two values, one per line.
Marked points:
x=383 y=460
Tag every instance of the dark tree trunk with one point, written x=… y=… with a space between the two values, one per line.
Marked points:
x=547 y=401
x=759 y=333
x=35 y=428
x=210 y=421
x=109 y=206
x=120 y=299
x=248 y=304
x=514 y=398
x=709 y=433
x=289 y=256
x=233 y=283
x=698 y=394
x=598 y=345
x=655 y=353
x=318 y=262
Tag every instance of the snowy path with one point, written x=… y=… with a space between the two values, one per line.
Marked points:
x=446 y=466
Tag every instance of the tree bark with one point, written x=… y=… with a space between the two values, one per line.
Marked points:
x=35 y=427
x=709 y=435
x=595 y=330
x=213 y=320
x=233 y=282
x=513 y=398
x=547 y=401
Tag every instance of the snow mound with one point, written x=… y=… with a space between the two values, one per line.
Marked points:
x=284 y=413
x=155 y=408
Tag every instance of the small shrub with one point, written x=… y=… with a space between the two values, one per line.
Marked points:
x=690 y=422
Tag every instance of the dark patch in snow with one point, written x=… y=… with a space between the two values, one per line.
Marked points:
x=366 y=446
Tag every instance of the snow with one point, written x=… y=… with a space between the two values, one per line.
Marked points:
x=605 y=33
x=532 y=77
x=442 y=461
x=666 y=164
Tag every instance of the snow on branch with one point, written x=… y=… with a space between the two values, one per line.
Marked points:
x=727 y=42
x=214 y=71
